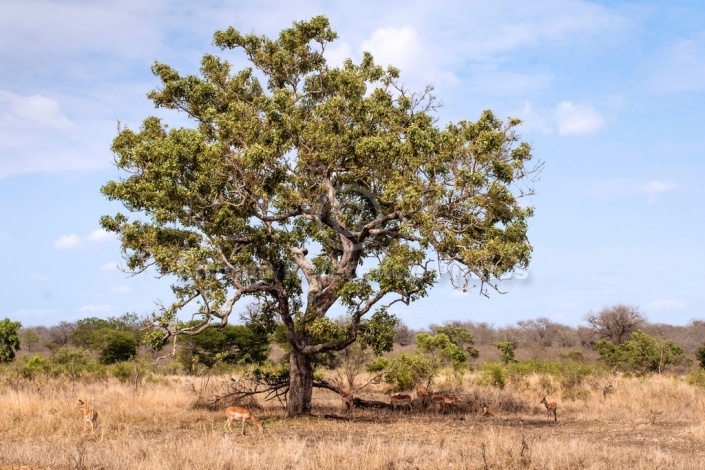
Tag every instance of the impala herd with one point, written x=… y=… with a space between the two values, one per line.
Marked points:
x=425 y=397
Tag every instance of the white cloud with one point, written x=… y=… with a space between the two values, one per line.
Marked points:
x=659 y=187
x=532 y=119
x=67 y=242
x=31 y=111
x=577 y=119
x=100 y=235
x=337 y=53
x=680 y=67
x=111 y=266
x=616 y=188
x=403 y=48
x=667 y=304
x=398 y=46
x=94 y=308
x=121 y=290
x=73 y=241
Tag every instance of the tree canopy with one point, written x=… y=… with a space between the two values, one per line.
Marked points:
x=303 y=186
x=9 y=339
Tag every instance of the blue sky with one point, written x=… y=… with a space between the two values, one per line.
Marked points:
x=612 y=95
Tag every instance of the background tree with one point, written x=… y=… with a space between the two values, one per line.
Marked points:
x=461 y=338
x=407 y=371
x=506 y=349
x=441 y=349
x=700 y=355
x=59 y=334
x=541 y=330
x=616 y=323
x=353 y=360
x=9 y=339
x=284 y=190
x=28 y=338
x=115 y=338
x=403 y=335
x=231 y=344
x=116 y=346
x=641 y=354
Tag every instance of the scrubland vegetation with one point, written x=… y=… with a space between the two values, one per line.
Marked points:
x=635 y=402
x=650 y=423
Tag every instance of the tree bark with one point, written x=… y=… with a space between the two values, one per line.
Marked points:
x=300 y=384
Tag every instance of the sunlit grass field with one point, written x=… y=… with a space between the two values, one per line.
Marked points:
x=645 y=423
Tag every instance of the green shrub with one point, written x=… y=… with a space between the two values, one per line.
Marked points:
x=697 y=378
x=408 y=371
x=9 y=339
x=506 y=349
x=492 y=375
x=36 y=365
x=700 y=355
x=641 y=354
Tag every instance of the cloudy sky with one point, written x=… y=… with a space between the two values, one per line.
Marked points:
x=612 y=95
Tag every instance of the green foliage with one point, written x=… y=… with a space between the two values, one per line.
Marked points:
x=115 y=339
x=88 y=333
x=291 y=153
x=117 y=347
x=233 y=344
x=9 y=340
x=377 y=365
x=507 y=352
x=641 y=354
x=462 y=338
x=28 y=338
x=34 y=366
x=700 y=356
x=697 y=378
x=270 y=373
x=125 y=371
x=70 y=361
x=573 y=356
x=441 y=349
x=378 y=332
x=408 y=371
x=493 y=375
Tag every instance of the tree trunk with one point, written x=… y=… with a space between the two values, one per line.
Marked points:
x=300 y=384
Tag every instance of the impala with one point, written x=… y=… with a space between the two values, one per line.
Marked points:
x=398 y=399
x=347 y=399
x=437 y=400
x=551 y=407
x=89 y=416
x=236 y=413
x=425 y=396
x=448 y=402
x=486 y=413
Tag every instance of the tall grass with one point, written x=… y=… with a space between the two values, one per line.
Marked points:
x=647 y=423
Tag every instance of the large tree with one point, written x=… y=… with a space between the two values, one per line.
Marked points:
x=301 y=186
x=616 y=323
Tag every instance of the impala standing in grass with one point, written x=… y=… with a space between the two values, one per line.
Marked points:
x=347 y=399
x=90 y=416
x=424 y=395
x=236 y=413
x=449 y=401
x=551 y=407
x=398 y=399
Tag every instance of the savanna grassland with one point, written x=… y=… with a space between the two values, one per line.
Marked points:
x=644 y=423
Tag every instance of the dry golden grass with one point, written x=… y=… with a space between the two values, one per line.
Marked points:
x=645 y=424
